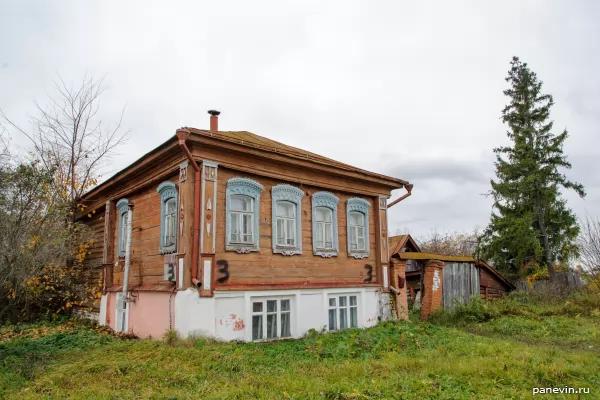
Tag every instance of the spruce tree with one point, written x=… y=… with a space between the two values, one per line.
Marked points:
x=530 y=221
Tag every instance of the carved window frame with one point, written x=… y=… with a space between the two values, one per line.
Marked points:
x=250 y=188
x=293 y=195
x=328 y=200
x=362 y=206
x=167 y=191
x=123 y=208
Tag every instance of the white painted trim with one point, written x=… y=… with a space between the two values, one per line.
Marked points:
x=385 y=277
x=181 y=272
x=207 y=274
x=103 y=305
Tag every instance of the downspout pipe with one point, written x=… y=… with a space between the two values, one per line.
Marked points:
x=127 y=256
x=182 y=135
x=408 y=188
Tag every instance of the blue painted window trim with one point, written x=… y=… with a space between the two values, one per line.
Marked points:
x=122 y=207
x=167 y=191
x=250 y=188
x=329 y=200
x=362 y=206
x=293 y=195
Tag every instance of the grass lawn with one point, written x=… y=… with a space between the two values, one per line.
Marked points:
x=484 y=351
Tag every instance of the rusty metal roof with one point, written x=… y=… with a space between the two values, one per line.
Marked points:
x=431 y=256
x=250 y=139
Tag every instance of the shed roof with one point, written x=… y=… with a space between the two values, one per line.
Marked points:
x=397 y=243
x=432 y=256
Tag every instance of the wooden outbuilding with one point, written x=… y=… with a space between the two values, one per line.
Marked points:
x=436 y=280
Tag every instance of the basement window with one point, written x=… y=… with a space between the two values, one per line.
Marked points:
x=324 y=224
x=122 y=209
x=357 y=220
x=343 y=312
x=271 y=319
x=287 y=220
x=242 y=207
x=168 y=217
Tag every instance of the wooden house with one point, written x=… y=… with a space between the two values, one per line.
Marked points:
x=437 y=280
x=236 y=236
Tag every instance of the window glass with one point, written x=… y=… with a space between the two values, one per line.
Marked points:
x=124 y=217
x=241 y=203
x=332 y=319
x=257 y=327
x=241 y=219
x=323 y=217
x=345 y=314
x=286 y=223
x=286 y=209
x=271 y=319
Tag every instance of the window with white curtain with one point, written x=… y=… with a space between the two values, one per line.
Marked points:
x=324 y=227
x=357 y=221
x=242 y=206
x=271 y=318
x=343 y=312
x=287 y=219
x=122 y=209
x=285 y=223
x=325 y=224
x=168 y=217
x=242 y=219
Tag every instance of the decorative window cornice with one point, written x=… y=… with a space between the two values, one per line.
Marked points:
x=362 y=206
x=167 y=191
x=294 y=195
x=250 y=188
x=123 y=207
x=328 y=200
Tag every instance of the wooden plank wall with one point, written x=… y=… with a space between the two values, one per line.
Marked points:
x=147 y=264
x=256 y=269
x=92 y=262
x=461 y=281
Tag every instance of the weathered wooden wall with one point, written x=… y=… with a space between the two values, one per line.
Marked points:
x=92 y=262
x=261 y=269
x=147 y=264
x=564 y=279
x=461 y=281
x=490 y=286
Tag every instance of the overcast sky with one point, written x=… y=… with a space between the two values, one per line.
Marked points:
x=411 y=89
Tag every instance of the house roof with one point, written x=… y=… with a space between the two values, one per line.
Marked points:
x=252 y=140
x=497 y=274
x=397 y=243
x=432 y=256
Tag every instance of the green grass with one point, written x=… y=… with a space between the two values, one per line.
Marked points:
x=521 y=344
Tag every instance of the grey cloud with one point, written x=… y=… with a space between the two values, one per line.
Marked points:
x=403 y=88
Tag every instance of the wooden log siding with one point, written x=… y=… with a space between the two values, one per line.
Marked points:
x=264 y=268
x=147 y=264
x=461 y=281
x=92 y=263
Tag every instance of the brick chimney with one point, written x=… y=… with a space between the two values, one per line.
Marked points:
x=214 y=119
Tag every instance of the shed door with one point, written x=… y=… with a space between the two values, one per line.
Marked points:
x=461 y=281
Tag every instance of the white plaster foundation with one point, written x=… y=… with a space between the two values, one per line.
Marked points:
x=228 y=315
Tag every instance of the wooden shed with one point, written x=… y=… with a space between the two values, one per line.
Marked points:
x=437 y=280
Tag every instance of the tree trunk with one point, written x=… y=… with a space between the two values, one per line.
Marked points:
x=544 y=232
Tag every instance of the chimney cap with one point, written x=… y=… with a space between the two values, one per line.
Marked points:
x=214 y=113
